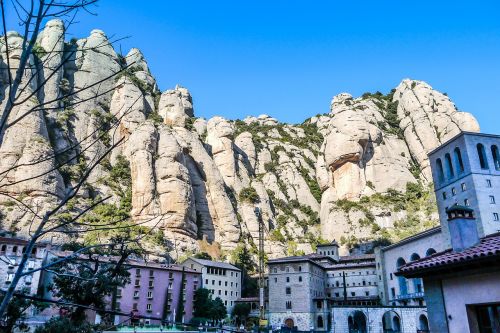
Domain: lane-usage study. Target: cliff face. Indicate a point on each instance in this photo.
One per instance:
(343, 174)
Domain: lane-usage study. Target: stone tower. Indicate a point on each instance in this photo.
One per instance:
(466, 172)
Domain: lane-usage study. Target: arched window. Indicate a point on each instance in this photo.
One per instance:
(403, 287)
(14, 249)
(3, 249)
(440, 171)
(423, 323)
(430, 252)
(483, 161)
(496, 157)
(449, 166)
(320, 322)
(458, 160)
(417, 282)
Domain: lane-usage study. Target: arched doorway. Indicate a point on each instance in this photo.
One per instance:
(423, 324)
(391, 323)
(289, 323)
(357, 322)
(319, 322)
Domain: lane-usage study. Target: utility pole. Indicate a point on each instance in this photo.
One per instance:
(261, 265)
(345, 287)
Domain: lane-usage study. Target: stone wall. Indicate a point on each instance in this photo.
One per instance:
(408, 318)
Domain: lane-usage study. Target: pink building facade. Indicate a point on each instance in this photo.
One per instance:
(164, 293)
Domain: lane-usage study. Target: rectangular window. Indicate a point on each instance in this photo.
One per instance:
(353, 293)
(148, 307)
(151, 273)
(137, 272)
(220, 283)
(206, 281)
(288, 305)
(367, 293)
(466, 202)
(134, 306)
(150, 283)
(150, 294)
(444, 195)
(225, 292)
(225, 284)
(136, 294)
(288, 290)
(488, 183)
(137, 282)
(464, 187)
(287, 279)
(393, 292)
(453, 191)
(275, 280)
(213, 282)
(495, 216)
(492, 199)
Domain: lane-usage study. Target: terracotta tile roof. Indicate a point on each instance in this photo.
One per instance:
(487, 249)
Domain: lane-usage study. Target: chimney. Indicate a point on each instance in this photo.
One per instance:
(462, 227)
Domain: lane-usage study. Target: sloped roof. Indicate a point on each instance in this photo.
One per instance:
(312, 257)
(217, 264)
(488, 249)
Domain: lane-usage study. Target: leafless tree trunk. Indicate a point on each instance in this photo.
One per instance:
(19, 93)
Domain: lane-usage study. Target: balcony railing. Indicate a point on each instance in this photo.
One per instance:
(410, 296)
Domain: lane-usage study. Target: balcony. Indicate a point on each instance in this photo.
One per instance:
(409, 296)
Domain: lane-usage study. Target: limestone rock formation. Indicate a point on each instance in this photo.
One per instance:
(354, 173)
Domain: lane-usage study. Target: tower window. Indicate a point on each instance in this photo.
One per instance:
(449, 166)
(453, 191)
(496, 157)
(444, 196)
(492, 199)
(464, 187)
(483, 162)
(440, 171)
(466, 202)
(495, 216)
(458, 160)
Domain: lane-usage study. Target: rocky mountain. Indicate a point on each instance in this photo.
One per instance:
(358, 172)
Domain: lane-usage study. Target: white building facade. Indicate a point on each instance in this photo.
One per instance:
(222, 279)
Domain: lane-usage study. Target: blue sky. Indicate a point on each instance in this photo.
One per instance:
(288, 58)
